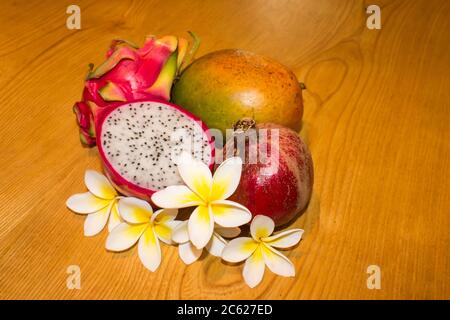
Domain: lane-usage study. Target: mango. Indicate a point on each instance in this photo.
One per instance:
(225, 86)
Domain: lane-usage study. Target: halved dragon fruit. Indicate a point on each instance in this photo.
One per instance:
(139, 143)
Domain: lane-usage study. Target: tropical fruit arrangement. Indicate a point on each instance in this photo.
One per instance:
(217, 134)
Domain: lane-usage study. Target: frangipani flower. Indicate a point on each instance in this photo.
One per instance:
(141, 224)
(259, 251)
(189, 253)
(208, 194)
(99, 203)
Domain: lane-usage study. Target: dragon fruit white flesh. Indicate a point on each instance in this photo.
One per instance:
(140, 141)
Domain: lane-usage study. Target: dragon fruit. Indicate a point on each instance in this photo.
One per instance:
(139, 143)
(128, 74)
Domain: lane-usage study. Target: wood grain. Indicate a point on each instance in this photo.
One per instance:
(377, 115)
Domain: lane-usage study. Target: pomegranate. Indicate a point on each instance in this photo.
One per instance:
(277, 176)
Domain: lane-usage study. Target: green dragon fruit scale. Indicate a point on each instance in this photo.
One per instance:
(130, 73)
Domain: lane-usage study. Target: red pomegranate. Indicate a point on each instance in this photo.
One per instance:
(277, 176)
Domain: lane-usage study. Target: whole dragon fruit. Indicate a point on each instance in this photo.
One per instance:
(128, 74)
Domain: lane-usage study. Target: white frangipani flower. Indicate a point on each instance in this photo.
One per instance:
(99, 203)
(189, 253)
(141, 224)
(259, 251)
(207, 194)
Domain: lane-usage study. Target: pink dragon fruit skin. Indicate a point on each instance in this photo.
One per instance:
(128, 74)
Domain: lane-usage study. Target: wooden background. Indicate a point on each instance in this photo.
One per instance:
(377, 119)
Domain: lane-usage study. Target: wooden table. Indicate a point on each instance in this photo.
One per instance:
(377, 119)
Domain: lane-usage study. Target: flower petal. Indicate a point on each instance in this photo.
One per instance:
(149, 250)
(173, 224)
(134, 210)
(227, 232)
(254, 269)
(215, 245)
(189, 253)
(226, 178)
(86, 203)
(99, 185)
(95, 222)
(164, 215)
(164, 230)
(180, 233)
(261, 227)
(239, 249)
(124, 236)
(195, 174)
(200, 226)
(176, 197)
(277, 262)
(114, 217)
(230, 214)
(284, 239)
